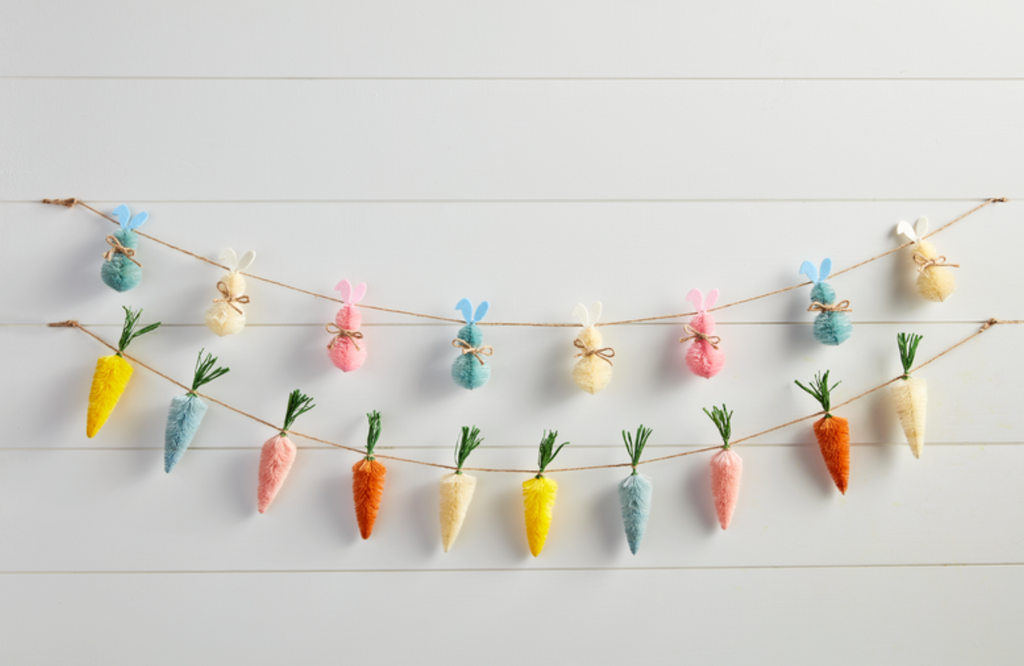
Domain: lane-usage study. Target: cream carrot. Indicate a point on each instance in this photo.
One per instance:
(833, 432)
(368, 481)
(112, 373)
(457, 488)
(635, 491)
(726, 468)
(539, 495)
(278, 452)
(910, 394)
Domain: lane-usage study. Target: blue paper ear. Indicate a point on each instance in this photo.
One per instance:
(123, 215)
(466, 308)
(826, 268)
(808, 269)
(481, 311)
(138, 221)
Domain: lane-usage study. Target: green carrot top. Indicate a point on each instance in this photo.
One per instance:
(469, 440)
(821, 391)
(373, 434)
(206, 371)
(128, 332)
(548, 451)
(908, 350)
(723, 419)
(635, 447)
(298, 404)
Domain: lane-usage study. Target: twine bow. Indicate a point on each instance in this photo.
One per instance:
(340, 333)
(694, 334)
(229, 299)
(841, 306)
(117, 248)
(467, 348)
(605, 353)
(924, 262)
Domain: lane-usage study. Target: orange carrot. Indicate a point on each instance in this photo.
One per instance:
(833, 432)
(368, 481)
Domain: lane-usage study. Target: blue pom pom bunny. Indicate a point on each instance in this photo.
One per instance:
(832, 326)
(121, 271)
(470, 370)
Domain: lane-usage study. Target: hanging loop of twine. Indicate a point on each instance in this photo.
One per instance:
(229, 299)
(924, 262)
(694, 334)
(339, 333)
(467, 348)
(841, 306)
(117, 248)
(605, 353)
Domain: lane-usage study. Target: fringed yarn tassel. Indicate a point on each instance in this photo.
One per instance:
(470, 370)
(121, 271)
(539, 494)
(183, 420)
(635, 501)
(226, 316)
(347, 348)
(726, 472)
(704, 358)
(833, 433)
(367, 491)
(456, 494)
(278, 454)
(593, 370)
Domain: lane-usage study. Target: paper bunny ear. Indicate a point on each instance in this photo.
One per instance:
(466, 308)
(481, 311)
(826, 268)
(711, 299)
(138, 221)
(696, 296)
(808, 269)
(581, 314)
(904, 228)
(247, 260)
(595, 312)
(229, 258)
(358, 292)
(123, 215)
(921, 226)
(345, 287)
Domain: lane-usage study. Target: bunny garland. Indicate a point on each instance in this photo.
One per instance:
(704, 358)
(470, 370)
(593, 370)
(347, 348)
(121, 271)
(935, 281)
(225, 316)
(832, 325)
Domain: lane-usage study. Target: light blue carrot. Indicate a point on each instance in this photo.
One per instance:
(187, 411)
(635, 491)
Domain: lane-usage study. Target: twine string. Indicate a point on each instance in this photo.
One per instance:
(841, 306)
(694, 334)
(339, 333)
(924, 262)
(605, 353)
(467, 348)
(117, 248)
(229, 298)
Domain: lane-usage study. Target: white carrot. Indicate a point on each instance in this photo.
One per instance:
(910, 395)
(457, 489)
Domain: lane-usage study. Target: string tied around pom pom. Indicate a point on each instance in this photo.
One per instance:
(117, 248)
(694, 334)
(605, 353)
(340, 333)
(229, 299)
(467, 348)
(924, 262)
(841, 306)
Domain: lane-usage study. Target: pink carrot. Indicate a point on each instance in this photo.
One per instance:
(278, 453)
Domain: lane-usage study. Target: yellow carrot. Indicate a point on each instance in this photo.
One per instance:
(910, 395)
(539, 495)
(111, 376)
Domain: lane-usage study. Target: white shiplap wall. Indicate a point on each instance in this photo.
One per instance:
(535, 154)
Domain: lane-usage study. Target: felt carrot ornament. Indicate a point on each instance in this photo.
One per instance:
(347, 348)
(833, 432)
(635, 491)
(470, 370)
(704, 358)
(112, 373)
(368, 480)
(121, 271)
(278, 452)
(910, 394)
(832, 325)
(187, 411)
(539, 495)
(593, 370)
(726, 468)
(935, 281)
(226, 316)
(457, 488)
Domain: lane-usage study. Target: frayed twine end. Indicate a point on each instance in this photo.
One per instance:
(70, 323)
(67, 203)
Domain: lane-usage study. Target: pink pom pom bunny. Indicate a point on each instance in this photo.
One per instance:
(348, 349)
(703, 357)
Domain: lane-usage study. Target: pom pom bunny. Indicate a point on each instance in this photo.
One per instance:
(122, 271)
(593, 370)
(470, 370)
(704, 358)
(832, 325)
(225, 316)
(935, 281)
(347, 348)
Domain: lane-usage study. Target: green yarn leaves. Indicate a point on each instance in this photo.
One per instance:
(547, 451)
(206, 371)
(635, 447)
(373, 434)
(467, 443)
(723, 420)
(128, 332)
(298, 404)
(908, 343)
(820, 389)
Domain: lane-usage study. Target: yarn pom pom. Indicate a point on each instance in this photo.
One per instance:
(635, 501)
(456, 494)
(224, 320)
(183, 420)
(119, 272)
(704, 358)
(367, 491)
(726, 471)
(539, 494)
(831, 328)
(347, 351)
(470, 370)
(592, 371)
(108, 383)
(934, 282)
(276, 461)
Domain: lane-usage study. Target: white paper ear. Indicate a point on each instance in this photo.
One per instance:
(247, 260)
(904, 229)
(596, 313)
(921, 226)
(229, 259)
(580, 312)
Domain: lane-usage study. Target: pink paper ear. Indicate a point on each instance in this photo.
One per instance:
(712, 299)
(345, 287)
(358, 293)
(697, 298)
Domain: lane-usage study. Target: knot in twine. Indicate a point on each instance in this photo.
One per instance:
(841, 306)
(229, 299)
(340, 333)
(605, 353)
(924, 262)
(694, 334)
(467, 348)
(117, 248)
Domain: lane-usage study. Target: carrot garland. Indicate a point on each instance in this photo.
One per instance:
(635, 491)
(368, 480)
(187, 411)
(726, 468)
(112, 373)
(457, 488)
(833, 432)
(539, 495)
(278, 452)
(910, 394)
